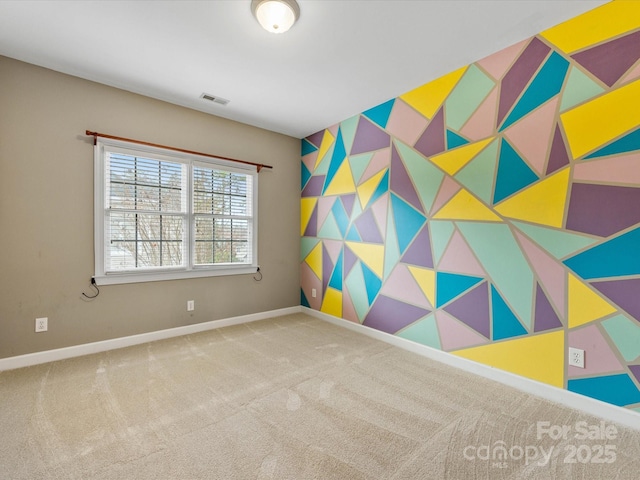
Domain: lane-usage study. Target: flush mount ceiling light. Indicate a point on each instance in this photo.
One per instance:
(276, 16)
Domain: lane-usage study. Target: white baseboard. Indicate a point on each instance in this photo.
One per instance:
(102, 346)
(597, 408)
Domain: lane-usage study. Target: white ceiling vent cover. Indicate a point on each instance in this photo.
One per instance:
(214, 99)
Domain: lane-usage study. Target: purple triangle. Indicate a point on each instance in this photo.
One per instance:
(312, 226)
(624, 293)
(314, 186)
(519, 74)
(558, 157)
(473, 309)
(611, 60)
(419, 253)
(368, 228)
(545, 315)
(316, 138)
(390, 315)
(432, 140)
(327, 268)
(401, 183)
(347, 202)
(635, 369)
(369, 137)
(602, 209)
(350, 260)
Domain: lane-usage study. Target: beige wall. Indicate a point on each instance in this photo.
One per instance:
(46, 213)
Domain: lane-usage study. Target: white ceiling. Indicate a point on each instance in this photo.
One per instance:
(342, 57)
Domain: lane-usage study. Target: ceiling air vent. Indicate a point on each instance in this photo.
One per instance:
(214, 99)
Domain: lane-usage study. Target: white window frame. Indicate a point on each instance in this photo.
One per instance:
(188, 270)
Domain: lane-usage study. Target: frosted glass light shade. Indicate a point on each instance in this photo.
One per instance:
(275, 16)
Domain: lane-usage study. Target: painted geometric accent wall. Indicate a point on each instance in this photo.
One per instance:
(494, 213)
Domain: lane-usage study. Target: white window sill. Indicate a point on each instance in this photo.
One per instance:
(120, 278)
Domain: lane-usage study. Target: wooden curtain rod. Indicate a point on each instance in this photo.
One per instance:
(95, 135)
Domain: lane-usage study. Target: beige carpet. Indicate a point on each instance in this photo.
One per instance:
(287, 398)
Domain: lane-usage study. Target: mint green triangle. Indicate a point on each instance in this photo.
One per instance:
(330, 229)
(357, 210)
(348, 128)
(558, 243)
(423, 331)
(466, 97)
(478, 176)
(358, 291)
(391, 249)
(579, 87)
(427, 177)
(323, 167)
(306, 245)
(441, 232)
(359, 164)
(500, 255)
(625, 334)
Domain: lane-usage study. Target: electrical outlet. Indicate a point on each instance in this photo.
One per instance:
(313, 293)
(191, 305)
(576, 357)
(42, 324)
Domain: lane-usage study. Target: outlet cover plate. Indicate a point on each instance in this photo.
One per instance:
(576, 357)
(42, 324)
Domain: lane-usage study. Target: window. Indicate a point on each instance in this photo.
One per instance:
(162, 215)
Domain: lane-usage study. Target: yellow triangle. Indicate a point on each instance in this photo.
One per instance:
(464, 206)
(584, 305)
(428, 98)
(426, 279)
(342, 182)
(332, 303)
(327, 141)
(314, 260)
(541, 203)
(453, 160)
(366, 189)
(372, 255)
(539, 357)
(306, 210)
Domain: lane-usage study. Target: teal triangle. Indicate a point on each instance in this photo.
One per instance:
(359, 164)
(372, 283)
(408, 221)
(342, 220)
(381, 189)
(441, 232)
(339, 155)
(505, 323)
(307, 147)
(358, 291)
(348, 128)
(323, 166)
(391, 251)
(330, 229)
(424, 331)
(547, 84)
(306, 245)
(303, 300)
(430, 177)
(336, 277)
(454, 140)
(380, 113)
(513, 173)
(579, 87)
(479, 174)
(353, 234)
(628, 143)
(559, 243)
(450, 285)
(305, 175)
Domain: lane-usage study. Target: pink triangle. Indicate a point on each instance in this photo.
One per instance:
(405, 123)
(454, 334)
(325, 204)
(309, 160)
(458, 258)
(401, 285)
(481, 124)
(309, 281)
(447, 190)
(498, 63)
(620, 169)
(348, 310)
(380, 209)
(334, 129)
(552, 274)
(380, 160)
(334, 247)
(633, 74)
(599, 358)
(532, 135)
